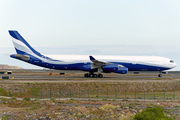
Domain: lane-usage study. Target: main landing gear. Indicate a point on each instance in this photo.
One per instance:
(91, 75)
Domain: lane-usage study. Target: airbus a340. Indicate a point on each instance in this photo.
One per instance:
(91, 64)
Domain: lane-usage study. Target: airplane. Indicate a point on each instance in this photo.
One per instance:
(92, 64)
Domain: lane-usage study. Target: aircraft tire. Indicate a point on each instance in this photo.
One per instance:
(95, 75)
(86, 75)
(160, 75)
(100, 76)
(91, 75)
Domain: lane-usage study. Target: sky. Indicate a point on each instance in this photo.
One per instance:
(91, 27)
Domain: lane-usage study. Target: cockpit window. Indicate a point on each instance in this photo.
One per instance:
(171, 61)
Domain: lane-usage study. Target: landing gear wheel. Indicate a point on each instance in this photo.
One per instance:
(91, 75)
(100, 75)
(86, 75)
(160, 75)
(95, 76)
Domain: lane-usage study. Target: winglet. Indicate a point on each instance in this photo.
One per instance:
(92, 58)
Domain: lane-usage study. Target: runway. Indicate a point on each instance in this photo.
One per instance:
(81, 76)
(41, 77)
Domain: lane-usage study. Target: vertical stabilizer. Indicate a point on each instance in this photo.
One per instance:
(20, 44)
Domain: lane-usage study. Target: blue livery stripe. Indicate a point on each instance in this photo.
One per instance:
(17, 36)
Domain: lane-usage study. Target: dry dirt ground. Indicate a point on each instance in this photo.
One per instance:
(84, 109)
(81, 109)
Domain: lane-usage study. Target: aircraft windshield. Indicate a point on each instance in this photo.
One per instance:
(171, 61)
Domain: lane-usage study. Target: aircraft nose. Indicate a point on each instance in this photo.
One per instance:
(174, 65)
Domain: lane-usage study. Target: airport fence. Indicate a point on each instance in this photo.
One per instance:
(94, 93)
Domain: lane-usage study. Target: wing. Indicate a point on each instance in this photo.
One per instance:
(98, 63)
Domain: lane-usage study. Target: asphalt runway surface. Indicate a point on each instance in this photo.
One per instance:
(69, 77)
(50, 77)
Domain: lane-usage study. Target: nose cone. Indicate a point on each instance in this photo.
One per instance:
(175, 64)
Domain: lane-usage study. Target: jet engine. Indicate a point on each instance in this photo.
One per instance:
(110, 68)
(122, 70)
(115, 68)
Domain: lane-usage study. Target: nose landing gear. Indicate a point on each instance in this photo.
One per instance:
(160, 74)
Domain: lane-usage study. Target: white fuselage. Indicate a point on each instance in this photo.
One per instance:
(144, 60)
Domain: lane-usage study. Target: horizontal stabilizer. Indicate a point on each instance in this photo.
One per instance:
(23, 57)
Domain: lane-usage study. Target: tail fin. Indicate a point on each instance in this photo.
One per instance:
(20, 44)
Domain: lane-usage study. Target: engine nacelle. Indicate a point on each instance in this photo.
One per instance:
(110, 68)
(122, 70)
